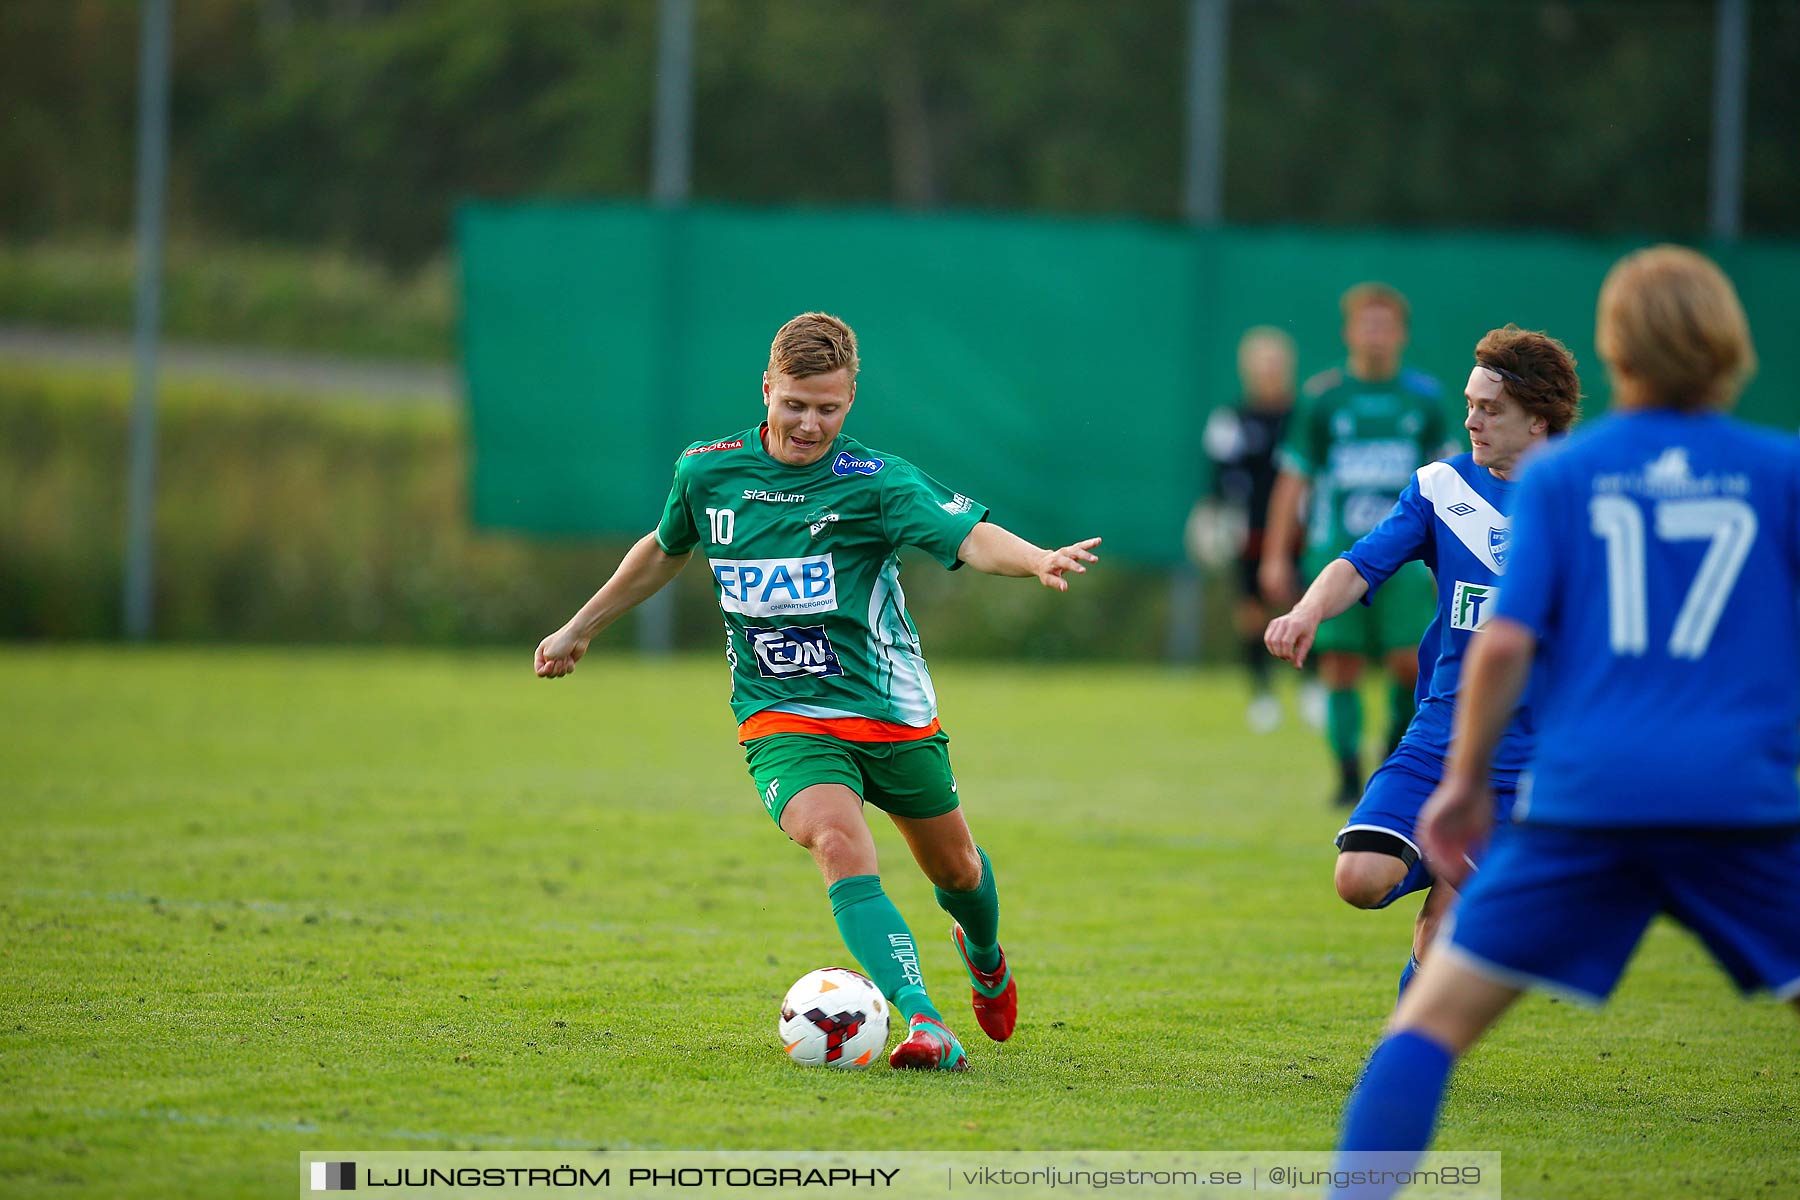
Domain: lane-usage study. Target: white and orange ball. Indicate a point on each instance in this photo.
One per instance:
(834, 1017)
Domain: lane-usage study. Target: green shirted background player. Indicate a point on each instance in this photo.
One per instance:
(1355, 439)
(801, 527)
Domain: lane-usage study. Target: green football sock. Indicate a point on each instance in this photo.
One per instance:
(978, 912)
(877, 935)
(1343, 722)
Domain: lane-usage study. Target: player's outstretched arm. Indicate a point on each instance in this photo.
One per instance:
(1338, 586)
(994, 551)
(641, 574)
(1460, 814)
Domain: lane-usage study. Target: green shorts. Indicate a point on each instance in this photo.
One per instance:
(1396, 620)
(907, 779)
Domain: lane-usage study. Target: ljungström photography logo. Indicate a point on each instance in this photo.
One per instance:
(334, 1177)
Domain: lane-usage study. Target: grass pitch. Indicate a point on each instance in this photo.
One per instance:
(256, 903)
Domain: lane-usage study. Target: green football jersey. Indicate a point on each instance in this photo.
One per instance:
(1359, 444)
(806, 568)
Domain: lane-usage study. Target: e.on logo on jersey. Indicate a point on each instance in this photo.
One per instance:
(776, 587)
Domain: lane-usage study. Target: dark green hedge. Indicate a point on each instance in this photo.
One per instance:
(286, 518)
(232, 292)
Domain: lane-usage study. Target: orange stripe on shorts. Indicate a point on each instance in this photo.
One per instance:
(849, 729)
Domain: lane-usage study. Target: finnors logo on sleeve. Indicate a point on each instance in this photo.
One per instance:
(848, 464)
(1471, 604)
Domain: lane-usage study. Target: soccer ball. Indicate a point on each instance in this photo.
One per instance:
(833, 1017)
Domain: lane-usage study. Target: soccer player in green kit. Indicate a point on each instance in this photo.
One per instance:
(1359, 433)
(801, 527)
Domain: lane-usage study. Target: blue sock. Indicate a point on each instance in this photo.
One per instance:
(1394, 1107)
(1407, 972)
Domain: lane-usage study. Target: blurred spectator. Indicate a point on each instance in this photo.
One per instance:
(1240, 441)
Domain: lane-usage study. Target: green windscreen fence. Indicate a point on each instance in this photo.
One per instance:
(1059, 371)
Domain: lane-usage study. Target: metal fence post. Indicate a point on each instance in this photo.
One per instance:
(1203, 205)
(671, 183)
(152, 170)
(1731, 70)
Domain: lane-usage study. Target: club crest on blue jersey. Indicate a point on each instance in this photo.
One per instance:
(848, 464)
(1499, 541)
(802, 650)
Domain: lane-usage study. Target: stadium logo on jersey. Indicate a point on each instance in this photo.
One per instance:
(785, 653)
(957, 505)
(848, 464)
(733, 444)
(776, 587)
(1499, 541)
(1471, 604)
(774, 497)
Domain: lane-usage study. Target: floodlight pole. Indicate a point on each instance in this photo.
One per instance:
(152, 170)
(1731, 52)
(1203, 205)
(670, 167)
(671, 183)
(1209, 31)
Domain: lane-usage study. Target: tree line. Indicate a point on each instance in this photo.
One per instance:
(358, 124)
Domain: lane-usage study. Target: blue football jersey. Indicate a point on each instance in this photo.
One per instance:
(1657, 559)
(1453, 516)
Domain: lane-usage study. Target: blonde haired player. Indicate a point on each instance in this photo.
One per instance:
(801, 527)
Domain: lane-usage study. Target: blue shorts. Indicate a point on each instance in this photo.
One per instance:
(1386, 819)
(1565, 908)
